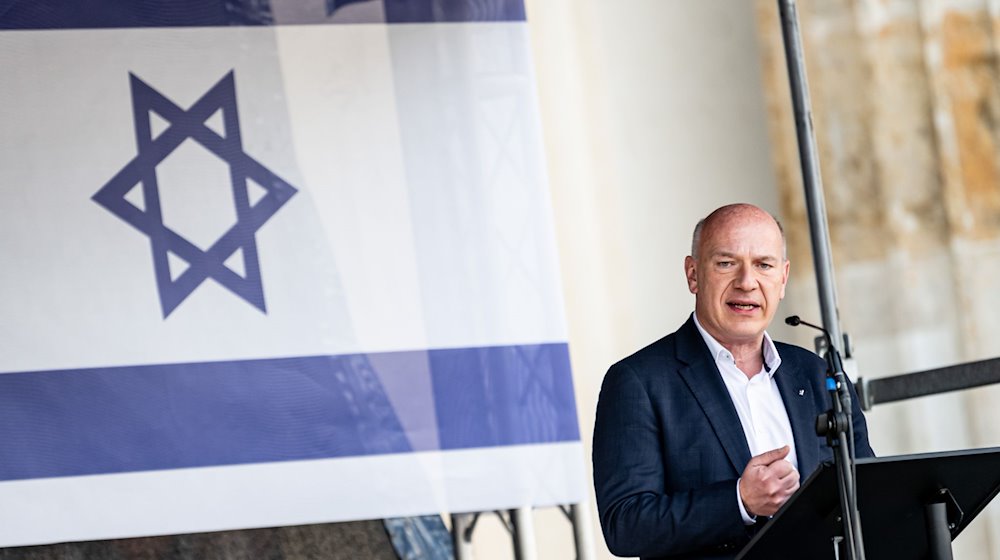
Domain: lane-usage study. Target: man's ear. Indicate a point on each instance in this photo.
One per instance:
(784, 278)
(691, 272)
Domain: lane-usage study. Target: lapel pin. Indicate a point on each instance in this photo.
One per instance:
(802, 392)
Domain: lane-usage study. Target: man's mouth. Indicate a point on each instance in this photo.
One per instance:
(742, 306)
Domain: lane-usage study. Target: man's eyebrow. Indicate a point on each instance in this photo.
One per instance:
(729, 255)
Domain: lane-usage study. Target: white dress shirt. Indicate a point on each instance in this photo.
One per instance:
(758, 403)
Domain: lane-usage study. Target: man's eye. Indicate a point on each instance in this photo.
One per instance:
(725, 264)
(765, 266)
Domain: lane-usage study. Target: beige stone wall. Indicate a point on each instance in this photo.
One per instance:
(906, 102)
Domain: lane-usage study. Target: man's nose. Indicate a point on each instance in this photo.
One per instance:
(745, 279)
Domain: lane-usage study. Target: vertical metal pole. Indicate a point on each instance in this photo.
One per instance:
(461, 535)
(812, 181)
(583, 533)
(938, 535)
(524, 534)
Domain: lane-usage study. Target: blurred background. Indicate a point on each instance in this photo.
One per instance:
(655, 113)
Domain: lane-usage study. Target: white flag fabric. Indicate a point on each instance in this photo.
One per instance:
(273, 263)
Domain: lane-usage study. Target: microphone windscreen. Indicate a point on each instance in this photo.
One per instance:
(793, 320)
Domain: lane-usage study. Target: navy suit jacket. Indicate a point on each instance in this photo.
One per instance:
(669, 447)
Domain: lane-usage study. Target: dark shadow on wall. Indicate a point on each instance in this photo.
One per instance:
(364, 540)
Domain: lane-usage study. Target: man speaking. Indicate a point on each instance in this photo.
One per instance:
(705, 433)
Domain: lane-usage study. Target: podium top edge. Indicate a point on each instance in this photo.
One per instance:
(930, 455)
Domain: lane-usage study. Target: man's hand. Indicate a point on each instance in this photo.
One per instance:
(768, 481)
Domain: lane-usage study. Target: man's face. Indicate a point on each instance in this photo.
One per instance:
(739, 277)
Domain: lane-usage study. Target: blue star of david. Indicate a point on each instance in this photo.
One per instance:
(149, 220)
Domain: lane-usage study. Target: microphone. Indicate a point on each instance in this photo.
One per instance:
(795, 321)
(833, 360)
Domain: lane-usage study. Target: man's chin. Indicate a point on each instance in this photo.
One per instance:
(745, 331)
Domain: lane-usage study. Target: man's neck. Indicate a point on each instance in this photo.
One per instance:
(749, 357)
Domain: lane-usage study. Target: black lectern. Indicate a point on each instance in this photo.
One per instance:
(912, 506)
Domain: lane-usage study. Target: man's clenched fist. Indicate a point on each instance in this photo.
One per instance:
(767, 482)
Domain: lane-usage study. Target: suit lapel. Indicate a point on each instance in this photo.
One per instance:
(703, 378)
(796, 394)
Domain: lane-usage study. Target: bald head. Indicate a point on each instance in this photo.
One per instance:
(727, 215)
(737, 272)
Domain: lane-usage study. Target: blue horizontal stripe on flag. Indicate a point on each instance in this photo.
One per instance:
(100, 14)
(151, 417)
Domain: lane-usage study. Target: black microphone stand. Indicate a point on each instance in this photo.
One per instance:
(838, 426)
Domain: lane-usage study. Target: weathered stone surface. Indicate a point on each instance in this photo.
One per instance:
(906, 103)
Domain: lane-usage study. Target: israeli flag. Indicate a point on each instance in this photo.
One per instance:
(273, 263)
